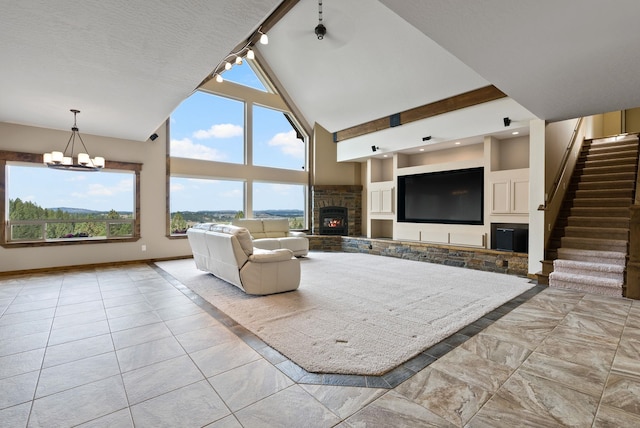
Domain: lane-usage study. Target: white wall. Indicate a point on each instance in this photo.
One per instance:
(536, 194)
(152, 204)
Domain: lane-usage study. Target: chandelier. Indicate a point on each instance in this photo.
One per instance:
(65, 160)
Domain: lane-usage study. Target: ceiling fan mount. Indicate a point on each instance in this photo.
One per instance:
(320, 29)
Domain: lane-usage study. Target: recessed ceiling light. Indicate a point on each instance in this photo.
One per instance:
(457, 143)
(422, 150)
(515, 133)
(385, 156)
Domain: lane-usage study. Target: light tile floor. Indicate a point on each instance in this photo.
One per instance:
(129, 346)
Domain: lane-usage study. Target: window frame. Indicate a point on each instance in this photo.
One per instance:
(248, 171)
(10, 156)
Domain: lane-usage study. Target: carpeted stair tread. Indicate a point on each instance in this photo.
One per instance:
(597, 232)
(588, 288)
(608, 169)
(586, 283)
(617, 245)
(609, 257)
(604, 193)
(613, 145)
(617, 145)
(616, 222)
(626, 160)
(592, 269)
(602, 202)
(610, 149)
(588, 266)
(609, 184)
(607, 156)
(585, 279)
(608, 176)
(600, 211)
(616, 139)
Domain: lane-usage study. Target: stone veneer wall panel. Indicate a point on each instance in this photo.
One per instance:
(471, 258)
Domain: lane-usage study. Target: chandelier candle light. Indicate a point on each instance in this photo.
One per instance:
(64, 160)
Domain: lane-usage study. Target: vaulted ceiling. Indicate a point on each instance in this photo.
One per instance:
(127, 65)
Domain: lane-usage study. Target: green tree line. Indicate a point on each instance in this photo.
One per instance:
(74, 225)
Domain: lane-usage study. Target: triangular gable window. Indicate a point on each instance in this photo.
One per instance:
(245, 74)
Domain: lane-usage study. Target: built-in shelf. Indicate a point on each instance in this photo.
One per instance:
(380, 170)
(506, 187)
(381, 228)
(510, 154)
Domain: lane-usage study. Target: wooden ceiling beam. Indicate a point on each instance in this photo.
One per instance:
(457, 102)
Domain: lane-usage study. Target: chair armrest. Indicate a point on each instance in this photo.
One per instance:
(294, 234)
(268, 256)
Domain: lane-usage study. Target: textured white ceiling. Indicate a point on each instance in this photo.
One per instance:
(125, 64)
(370, 64)
(559, 59)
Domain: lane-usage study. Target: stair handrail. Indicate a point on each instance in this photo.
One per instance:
(632, 271)
(563, 165)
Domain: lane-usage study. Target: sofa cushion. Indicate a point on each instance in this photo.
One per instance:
(267, 243)
(241, 233)
(275, 227)
(253, 225)
(268, 256)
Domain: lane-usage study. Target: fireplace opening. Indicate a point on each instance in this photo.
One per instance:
(333, 221)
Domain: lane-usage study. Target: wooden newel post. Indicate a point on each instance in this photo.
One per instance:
(633, 266)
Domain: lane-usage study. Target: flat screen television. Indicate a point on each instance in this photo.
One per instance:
(442, 197)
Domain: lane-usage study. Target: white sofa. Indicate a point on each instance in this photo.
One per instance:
(274, 233)
(227, 252)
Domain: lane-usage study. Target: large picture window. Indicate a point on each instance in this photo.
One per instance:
(204, 200)
(72, 207)
(208, 127)
(276, 143)
(236, 151)
(280, 200)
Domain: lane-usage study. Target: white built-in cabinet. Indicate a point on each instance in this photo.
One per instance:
(381, 200)
(506, 186)
(509, 195)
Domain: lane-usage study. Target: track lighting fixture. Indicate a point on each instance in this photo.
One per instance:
(506, 121)
(235, 58)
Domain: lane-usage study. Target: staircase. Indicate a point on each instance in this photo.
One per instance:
(589, 245)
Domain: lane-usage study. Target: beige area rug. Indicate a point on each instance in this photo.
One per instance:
(358, 313)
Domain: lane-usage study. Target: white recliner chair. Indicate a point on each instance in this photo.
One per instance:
(227, 252)
(274, 233)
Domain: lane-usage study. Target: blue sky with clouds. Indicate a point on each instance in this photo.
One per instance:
(203, 127)
(100, 191)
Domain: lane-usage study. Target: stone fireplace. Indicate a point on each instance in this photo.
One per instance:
(334, 221)
(337, 210)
